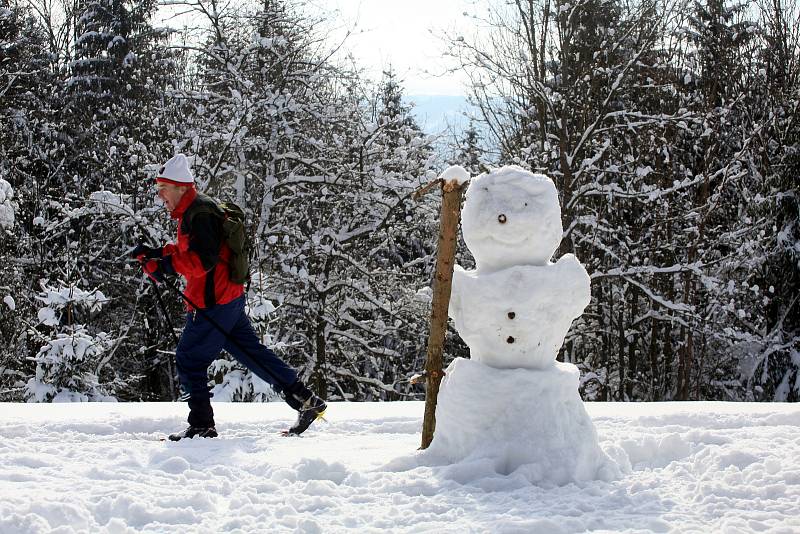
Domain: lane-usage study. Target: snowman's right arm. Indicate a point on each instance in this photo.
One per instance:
(455, 310)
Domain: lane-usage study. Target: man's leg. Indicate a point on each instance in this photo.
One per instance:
(264, 363)
(200, 344)
(258, 358)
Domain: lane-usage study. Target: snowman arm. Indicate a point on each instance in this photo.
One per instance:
(573, 271)
(454, 309)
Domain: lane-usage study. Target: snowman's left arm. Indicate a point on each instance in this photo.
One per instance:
(575, 280)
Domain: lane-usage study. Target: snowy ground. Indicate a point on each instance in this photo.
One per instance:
(700, 467)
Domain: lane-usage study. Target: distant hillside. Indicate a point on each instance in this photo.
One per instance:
(436, 113)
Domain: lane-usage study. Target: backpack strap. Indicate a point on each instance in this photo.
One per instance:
(203, 204)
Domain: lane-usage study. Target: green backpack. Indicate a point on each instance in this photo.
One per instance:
(234, 233)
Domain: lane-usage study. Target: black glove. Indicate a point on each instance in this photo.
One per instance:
(158, 267)
(143, 252)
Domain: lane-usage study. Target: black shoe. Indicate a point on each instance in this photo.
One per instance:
(192, 431)
(311, 410)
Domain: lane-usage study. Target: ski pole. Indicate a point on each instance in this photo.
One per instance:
(161, 303)
(218, 326)
(164, 310)
(171, 327)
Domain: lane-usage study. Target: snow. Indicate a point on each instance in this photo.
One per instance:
(60, 297)
(236, 381)
(455, 172)
(553, 445)
(108, 202)
(47, 316)
(6, 208)
(6, 191)
(98, 467)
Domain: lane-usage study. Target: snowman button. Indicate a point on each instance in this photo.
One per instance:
(510, 339)
(511, 315)
(502, 218)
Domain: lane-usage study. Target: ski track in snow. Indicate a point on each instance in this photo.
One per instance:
(688, 467)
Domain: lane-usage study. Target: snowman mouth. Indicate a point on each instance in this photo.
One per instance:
(509, 238)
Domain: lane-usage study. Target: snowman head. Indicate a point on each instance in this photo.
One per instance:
(511, 217)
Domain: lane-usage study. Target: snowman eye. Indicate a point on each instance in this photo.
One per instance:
(502, 218)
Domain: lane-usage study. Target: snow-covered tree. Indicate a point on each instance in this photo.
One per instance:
(470, 153)
(325, 174)
(346, 244)
(71, 364)
(652, 119)
(669, 128)
(26, 83)
(83, 143)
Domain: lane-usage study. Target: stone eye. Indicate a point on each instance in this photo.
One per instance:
(510, 339)
(502, 218)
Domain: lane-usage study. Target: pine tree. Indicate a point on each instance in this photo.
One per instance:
(470, 152)
(71, 363)
(26, 84)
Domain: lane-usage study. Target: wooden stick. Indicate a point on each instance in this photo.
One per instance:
(425, 189)
(445, 260)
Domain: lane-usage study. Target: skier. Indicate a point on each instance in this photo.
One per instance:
(201, 256)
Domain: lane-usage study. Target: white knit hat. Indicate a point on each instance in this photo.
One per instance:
(176, 171)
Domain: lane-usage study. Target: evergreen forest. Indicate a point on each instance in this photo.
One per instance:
(671, 129)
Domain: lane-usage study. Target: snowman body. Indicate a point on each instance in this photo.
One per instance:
(525, 311)
(516, 307)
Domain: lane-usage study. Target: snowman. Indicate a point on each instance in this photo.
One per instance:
(516, 307)
(512, 408)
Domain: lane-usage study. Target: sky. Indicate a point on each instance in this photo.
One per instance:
(407, 35)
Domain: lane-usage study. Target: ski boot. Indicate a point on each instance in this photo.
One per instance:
(311, 410)
(192, 431)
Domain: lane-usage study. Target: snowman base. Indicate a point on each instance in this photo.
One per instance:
(521, 422)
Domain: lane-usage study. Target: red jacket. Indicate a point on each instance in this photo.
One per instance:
(201, 255)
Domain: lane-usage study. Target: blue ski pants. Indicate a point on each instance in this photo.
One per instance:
(201, 343)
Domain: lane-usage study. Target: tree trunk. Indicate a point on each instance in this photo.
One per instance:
(669, 355)
(686, 353)
(655, 383)
(442, 283)
(621, 351)
(699, 382)
(633, 364)
(321, 388)
(604, 322)
(566, 245)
